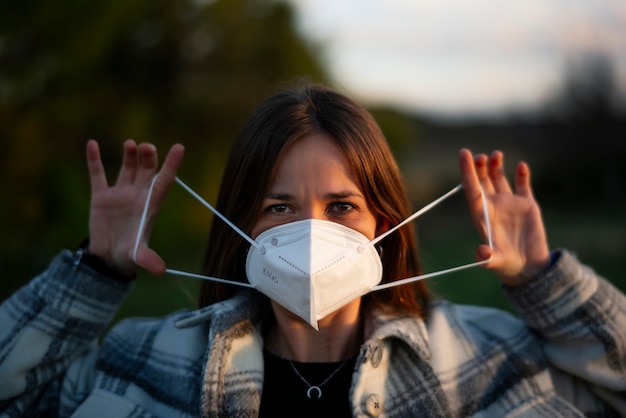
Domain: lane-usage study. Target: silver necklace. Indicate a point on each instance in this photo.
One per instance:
(316, 388)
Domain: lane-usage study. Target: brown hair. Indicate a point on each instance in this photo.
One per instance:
(280, 121)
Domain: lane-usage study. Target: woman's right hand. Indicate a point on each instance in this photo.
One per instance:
(116, 211)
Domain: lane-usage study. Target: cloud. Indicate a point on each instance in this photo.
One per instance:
(455, 55)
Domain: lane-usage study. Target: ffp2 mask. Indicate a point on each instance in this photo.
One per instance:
(313, 267)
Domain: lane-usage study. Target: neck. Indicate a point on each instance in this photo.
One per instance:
(339, 336)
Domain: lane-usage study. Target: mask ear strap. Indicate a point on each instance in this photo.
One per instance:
(209, 278)
(428, 275)
(142, 226)
(144, 218)
(446, 271)
(144, 215)
(416, 214)
(218, 214)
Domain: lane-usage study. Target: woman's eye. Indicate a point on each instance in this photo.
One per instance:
(342, 207)
(279, 209)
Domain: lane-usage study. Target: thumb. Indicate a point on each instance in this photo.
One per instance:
(483, 252)
(150, 260)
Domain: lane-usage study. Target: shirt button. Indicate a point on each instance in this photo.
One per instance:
(373, 405)
(377, 355)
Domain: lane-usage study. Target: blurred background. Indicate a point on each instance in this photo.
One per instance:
(541, 81)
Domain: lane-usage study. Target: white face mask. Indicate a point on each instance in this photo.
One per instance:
(314, 267)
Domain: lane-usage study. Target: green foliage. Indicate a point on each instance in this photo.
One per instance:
(399, 129)
(162, 71)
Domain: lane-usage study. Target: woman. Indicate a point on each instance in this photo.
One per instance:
(312, 160)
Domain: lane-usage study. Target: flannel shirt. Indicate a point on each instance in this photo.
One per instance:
(567, 357)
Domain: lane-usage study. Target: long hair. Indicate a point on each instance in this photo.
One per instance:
(280, 121)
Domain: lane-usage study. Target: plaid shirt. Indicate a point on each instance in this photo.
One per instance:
(567, 357)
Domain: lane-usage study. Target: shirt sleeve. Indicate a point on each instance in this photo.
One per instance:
(581, 319)
(48, 335)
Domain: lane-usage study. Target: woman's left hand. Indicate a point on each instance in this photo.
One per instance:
(520, 248)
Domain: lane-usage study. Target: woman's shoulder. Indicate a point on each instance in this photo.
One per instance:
(163, 334)
(473, 323)
(463, 337)
(184, 330)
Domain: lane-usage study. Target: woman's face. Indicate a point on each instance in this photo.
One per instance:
(314, 181)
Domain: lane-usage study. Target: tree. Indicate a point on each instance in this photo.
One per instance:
(162, 71)
(586, 147)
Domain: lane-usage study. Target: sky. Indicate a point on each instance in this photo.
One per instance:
(461, 57)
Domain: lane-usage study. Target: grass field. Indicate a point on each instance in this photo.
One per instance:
(598, 240)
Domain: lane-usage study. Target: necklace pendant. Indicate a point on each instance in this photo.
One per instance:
(314, 389)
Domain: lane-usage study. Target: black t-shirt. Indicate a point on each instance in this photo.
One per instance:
(285, 393)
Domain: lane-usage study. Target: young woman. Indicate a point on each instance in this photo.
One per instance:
(310, 184)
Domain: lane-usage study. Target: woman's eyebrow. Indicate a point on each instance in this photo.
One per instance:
(279, 196)
(344, 194)
(331, 195)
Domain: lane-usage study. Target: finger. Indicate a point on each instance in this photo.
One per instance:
(480, 162)
(172, 162)
(522, 180)
(167, 174)
(97, 175)
(148, 259)
(469, 179)
(128, 170)
(148, 162)
(473, 190)
(496, 173)
(483, 253)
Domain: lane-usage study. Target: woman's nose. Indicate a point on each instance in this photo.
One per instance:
(312, 212)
